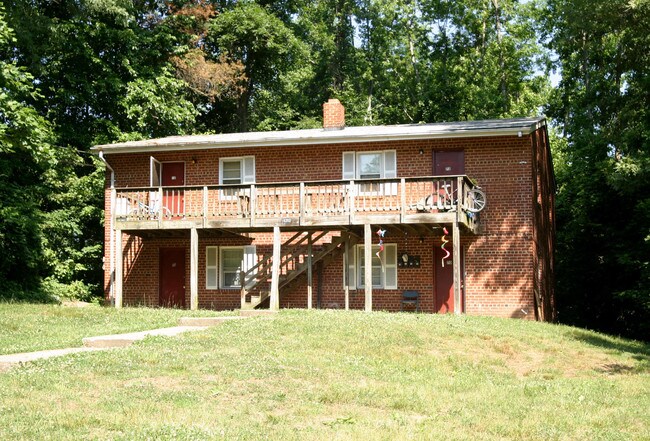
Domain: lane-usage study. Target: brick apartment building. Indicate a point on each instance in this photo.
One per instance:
(461, 213)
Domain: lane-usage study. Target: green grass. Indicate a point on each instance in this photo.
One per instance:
(28, 327)
(314, 375)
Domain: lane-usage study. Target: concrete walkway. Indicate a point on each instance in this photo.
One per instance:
(117, 341)
(8, 361)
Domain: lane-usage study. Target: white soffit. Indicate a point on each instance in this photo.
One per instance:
(464, 129)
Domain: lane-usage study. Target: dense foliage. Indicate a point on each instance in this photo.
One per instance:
(74, 73)
(603, 162)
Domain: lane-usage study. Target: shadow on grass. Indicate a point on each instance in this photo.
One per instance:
(638, 349)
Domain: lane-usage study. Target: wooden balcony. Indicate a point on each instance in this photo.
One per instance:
(297, 205)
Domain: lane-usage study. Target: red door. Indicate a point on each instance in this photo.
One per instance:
(173, 175)
(448, 162)
(444, 280)
(172, 277)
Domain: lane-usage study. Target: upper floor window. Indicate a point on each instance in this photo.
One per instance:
(371, 165)
(236, 171)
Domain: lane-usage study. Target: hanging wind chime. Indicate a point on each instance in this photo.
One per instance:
(381, 233)
(444, 242)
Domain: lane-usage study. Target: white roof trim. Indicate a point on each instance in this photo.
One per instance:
(505, 127)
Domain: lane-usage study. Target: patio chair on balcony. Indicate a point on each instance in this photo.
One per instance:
(411, 298)
(425, 204)
(152, 210)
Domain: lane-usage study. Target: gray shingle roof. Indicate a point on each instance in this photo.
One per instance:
(496, 127)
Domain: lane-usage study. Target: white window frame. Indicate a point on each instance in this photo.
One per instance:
(387, 169)
(214, 268)
(246, 172)
(247, 262)
(389, 264)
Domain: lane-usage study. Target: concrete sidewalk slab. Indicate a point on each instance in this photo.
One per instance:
(10, 360)
(101, 342)
(122, 340)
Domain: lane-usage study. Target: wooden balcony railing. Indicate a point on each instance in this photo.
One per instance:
(297, 203)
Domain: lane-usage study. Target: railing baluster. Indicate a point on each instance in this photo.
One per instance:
(252, 206)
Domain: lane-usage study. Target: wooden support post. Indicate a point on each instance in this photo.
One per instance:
(346, 272)
(275, 270)
(302, 203)
(194, 269)
(319, 288)
(310, 279)
(118, 268)
(458, 307)
(367, 253)
(242, 292)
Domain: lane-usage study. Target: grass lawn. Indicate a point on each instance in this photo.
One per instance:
(27, 327)
(314, 375)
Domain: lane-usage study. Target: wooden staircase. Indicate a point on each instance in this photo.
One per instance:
(294, 263)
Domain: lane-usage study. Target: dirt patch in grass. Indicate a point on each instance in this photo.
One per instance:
(524, 360)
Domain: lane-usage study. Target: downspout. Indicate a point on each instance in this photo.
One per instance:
(111, 279)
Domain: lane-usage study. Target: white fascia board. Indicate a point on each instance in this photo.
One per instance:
(318, 136)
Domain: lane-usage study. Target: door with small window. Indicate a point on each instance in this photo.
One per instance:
(444, 281)
(173, 175)
(172, 277)
(448, 162)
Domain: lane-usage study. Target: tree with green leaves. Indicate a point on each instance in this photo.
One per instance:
(25, 157)
(253, 36)
(602, 161)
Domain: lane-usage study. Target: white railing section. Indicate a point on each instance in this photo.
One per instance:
(318, 199)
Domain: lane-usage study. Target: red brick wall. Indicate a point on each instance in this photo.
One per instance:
(498, 262)
(333, 114)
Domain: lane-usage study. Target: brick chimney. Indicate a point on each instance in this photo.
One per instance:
(333, 115)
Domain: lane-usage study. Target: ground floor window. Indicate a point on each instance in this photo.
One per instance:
(383, 267)
(232, 260)
(223, 265)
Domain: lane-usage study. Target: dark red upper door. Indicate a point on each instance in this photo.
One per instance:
(173, 175)
(448, 162)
